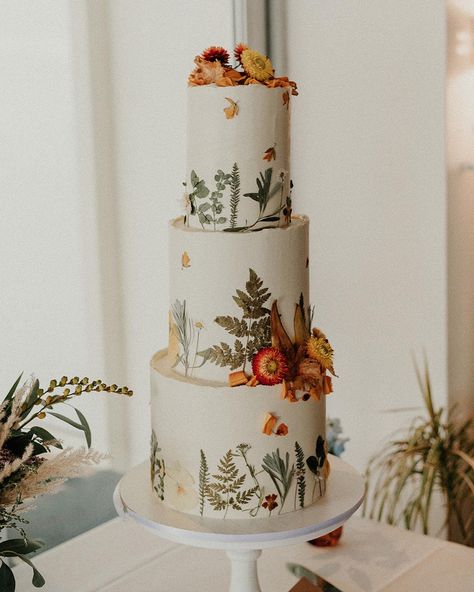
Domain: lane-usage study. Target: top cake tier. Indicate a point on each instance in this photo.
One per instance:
(238, 157)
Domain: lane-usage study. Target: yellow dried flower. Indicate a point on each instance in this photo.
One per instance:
(319, 348)
(256, 65)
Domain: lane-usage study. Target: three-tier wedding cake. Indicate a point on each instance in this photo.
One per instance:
(238, 398)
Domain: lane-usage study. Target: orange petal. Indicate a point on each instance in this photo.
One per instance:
(237, 378)
(185, 260)
(270, 154)
(252, 381)
(225, 81)
(327, 386)
(268, 424)
(232, 110)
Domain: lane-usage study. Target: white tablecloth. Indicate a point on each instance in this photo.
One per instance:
(121, 556)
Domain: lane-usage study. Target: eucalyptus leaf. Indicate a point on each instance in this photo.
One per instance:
(71, 422)
(86, 427)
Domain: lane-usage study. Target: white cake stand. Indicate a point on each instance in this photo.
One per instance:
(243, 540)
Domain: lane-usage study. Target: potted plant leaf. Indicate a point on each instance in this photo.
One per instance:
(435, 455)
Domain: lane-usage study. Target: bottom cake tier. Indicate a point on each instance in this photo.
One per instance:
(241, 452)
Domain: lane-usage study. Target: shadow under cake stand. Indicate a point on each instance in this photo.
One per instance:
(243, 540)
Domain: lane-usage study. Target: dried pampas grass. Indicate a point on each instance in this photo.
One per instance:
(50, 475)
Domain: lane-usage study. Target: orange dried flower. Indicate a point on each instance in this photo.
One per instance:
(205, 72)
(216, 54)
(269, 365)
(284, 82)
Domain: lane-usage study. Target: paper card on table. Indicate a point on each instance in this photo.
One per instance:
(305, 585)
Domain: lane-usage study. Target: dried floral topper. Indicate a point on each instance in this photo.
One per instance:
(212, 67)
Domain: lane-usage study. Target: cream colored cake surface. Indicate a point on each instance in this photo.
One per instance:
(238, 398)
(210, 456)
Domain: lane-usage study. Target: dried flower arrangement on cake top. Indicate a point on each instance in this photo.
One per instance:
(212, 67)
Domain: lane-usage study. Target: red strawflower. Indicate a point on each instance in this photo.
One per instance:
(216, 54)
(270, 366)
(239, 48)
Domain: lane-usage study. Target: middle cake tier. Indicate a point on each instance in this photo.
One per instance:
(222, 286)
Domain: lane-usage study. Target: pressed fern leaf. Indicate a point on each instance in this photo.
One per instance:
(234, 194)
(253, 327)
(233, 325)
(203, 482)
(301, 474)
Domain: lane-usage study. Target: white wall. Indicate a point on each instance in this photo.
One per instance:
(369, 168)
(50, 320)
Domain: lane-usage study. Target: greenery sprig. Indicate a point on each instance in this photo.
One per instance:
(24, 472)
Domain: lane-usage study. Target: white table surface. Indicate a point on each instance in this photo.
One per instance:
(121, 556)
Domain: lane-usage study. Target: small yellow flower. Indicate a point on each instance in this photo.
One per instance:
(256, 65)
(199, 325)
(319, 348)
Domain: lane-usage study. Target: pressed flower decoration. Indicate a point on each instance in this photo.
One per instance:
(232, 109)
(212, 67)
(308, 357)
(270, 366)
(270, 502)
(270, 154)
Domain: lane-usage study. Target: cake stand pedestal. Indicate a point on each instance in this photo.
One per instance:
(243, 540)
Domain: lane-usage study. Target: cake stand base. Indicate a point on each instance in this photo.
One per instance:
(243, 540)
